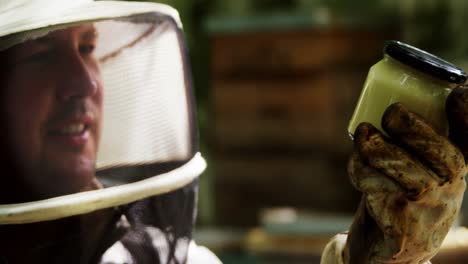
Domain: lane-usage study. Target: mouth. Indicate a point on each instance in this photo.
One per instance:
(73, 129)
(73, 132)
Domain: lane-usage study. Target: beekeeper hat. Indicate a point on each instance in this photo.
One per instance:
(149, 139)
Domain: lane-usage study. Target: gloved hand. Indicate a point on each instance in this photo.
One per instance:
(412, 183)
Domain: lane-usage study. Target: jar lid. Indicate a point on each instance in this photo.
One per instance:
(424, 62)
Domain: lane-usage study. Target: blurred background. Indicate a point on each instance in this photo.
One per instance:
(276, 83)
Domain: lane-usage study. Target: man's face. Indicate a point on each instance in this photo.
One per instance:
(53, 99)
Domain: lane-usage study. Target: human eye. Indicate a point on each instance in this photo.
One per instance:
(87, 48)
(38, 57)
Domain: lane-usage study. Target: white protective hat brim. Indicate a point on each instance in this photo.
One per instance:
(18, 16)
(86, 202)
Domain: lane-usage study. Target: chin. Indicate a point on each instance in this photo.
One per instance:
(70, 177)
(70, 184)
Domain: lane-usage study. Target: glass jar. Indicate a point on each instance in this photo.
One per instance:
(419, 80)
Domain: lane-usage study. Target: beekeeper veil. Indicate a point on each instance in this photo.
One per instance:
(141, 204)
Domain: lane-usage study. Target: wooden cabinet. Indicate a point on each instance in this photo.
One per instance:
(280, 104)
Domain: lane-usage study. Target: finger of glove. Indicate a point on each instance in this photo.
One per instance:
(417, 136)
(413, 177)
(367, 179)
(457, 115)
(384, 197)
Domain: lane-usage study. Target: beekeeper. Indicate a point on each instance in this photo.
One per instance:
(99, 146)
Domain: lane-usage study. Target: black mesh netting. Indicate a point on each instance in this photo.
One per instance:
(154, 230)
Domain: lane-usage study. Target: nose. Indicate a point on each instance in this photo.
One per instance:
(78, 78)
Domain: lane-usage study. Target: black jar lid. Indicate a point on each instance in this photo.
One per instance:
(424, 62)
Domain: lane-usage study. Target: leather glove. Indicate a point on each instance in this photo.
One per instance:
(412, 183)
